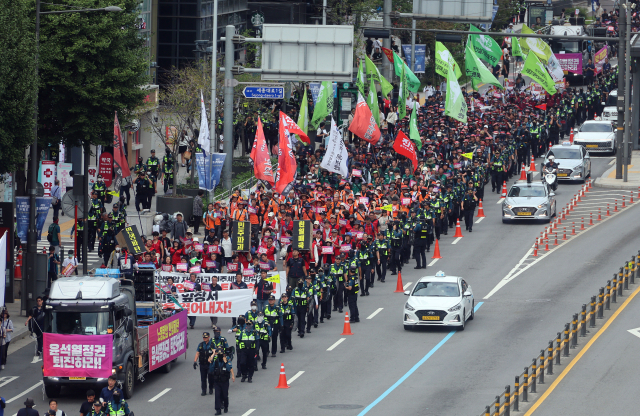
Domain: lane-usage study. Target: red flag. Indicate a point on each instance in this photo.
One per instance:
(363, 124)
(542, 106)
(119, 160)
(388, 53)
(405, 147)
(259, 156)
(293, 128)
(285, 174)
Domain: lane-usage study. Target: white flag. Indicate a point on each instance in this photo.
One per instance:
(553, 66)
(3, 265)
(335, 158)
(203, 138)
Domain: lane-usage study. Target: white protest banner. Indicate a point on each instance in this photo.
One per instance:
(220, 303)
(224, 280)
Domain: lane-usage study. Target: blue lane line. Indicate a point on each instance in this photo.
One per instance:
(413, 369)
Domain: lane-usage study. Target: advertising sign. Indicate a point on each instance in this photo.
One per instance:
(63, 175)
(105, 168)
(47, 175)
(421, 51)
(22, 215)
(167, 340)
(77, 355)
(91, 179)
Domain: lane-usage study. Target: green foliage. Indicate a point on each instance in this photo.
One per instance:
(17, 83)
(91, 65)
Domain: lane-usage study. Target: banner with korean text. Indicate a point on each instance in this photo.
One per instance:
(77, 355)
(570, 62)
(220, 303)
(182, 282)
(167, 340)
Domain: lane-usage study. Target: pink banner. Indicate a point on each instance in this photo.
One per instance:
(571, 62)
(77, 355)
(167, 340)
(599, 58)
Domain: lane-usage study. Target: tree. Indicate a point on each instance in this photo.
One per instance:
(91, 65)
(17, 84)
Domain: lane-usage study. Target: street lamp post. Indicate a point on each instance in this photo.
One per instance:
(32, 234)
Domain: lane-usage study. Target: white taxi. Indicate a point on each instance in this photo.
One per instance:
(439, 300)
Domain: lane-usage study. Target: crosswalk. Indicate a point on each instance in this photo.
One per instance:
(66, 245)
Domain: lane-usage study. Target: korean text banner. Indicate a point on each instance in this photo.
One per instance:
(22, 215)
(223, 279)
(301, 235)
(570, 62)
(130, 237)
(167, 340)
(225, 303)
(77, 355)
(241, 240)
(599, 58)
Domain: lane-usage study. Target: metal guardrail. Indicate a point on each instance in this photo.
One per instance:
(560, 347)
(248, 184)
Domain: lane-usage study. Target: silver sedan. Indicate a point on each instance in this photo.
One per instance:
(529, 201)
(574, 161)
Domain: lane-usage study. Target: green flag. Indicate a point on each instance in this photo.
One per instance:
(455, 106)
(404, 94)
(515, 47)
(485, 47)
(536, 70)
(360, 79)
(303, 117)
(476, 69)
(414, 134)
(536, 45)
(372, 102)
(324, 104)
(445, 59)
(372, 70)
(412, 81)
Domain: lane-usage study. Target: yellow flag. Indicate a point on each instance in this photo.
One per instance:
(468, 155)
(114, 193)
(273, 279)
(387, 207)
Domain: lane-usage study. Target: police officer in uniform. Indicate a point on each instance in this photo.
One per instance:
(221, 370)
(141, 191)
(301, 300)
(365, 255)
(79, 238)
(382, 254)
(420, 243)
(312, 307)
(203, 353)
(237, 330)
(100, 189)
(325, 284)
(287, 312)
(167, 170)
(153, 166)
(263, 330)
(468, 208)
(95, 214)
(352, 287)
(273, 314)
(107, 238)
(337, 274)
(246, 351)
(395, 234)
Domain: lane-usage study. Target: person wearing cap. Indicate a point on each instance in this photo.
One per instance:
(100, 188)
(246, 343)
(141, 186)
(287, 311)
(263, 330)
(117, 406)
(96, 409)
(273, 315)
(352, 287)
(203, 352)
(221, 370)
(166, 170)
(151, 191)
(338, 272)
(153, 166)
(300, 297)
(296, 268)
(28, 409)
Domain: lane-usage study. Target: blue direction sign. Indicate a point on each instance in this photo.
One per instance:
(274, 93)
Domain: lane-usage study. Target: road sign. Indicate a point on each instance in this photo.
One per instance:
(274, 93)
(450, 10)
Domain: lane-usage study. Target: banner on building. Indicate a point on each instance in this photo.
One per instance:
(77, 355)
(241, 240)
(301, 235)
(167, 340)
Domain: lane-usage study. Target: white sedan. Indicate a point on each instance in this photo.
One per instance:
(439, 300)
(596, 136)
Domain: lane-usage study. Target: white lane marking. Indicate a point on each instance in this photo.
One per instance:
(10, 379)
(404, 287)
(36, 359)
(541, 255)
(292, 379)
(433, 262)
(499, 201)
(635, 331)
(35, 386)
(248, 412)
(377, 311)
(331, 348)
(479, 219)
(156, 397)
(612, 162)
(456, 240)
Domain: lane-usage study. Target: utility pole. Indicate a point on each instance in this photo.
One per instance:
(386, 23)
(627, 91)
(413, 46)
(213, 137)
(324, 12)
(621, 88)
(229, 52)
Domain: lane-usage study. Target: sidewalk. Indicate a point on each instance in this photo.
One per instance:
(608, 179)
(20, 331)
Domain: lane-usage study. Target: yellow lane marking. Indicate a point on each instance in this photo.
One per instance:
(580, 354)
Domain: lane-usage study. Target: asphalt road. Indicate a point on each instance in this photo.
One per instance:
(383, 369)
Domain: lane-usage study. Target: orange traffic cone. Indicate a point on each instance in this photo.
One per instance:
(532, 166)
(17, 271)
(571, 136)
(523, 172)
(347, 325)
(504, 190)
(399, 286)
(282, 381)
(458, 230)
(480, 211)
(436, 251)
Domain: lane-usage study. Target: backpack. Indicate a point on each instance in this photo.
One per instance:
(50, 233)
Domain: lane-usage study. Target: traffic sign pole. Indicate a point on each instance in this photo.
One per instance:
(227, 171)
